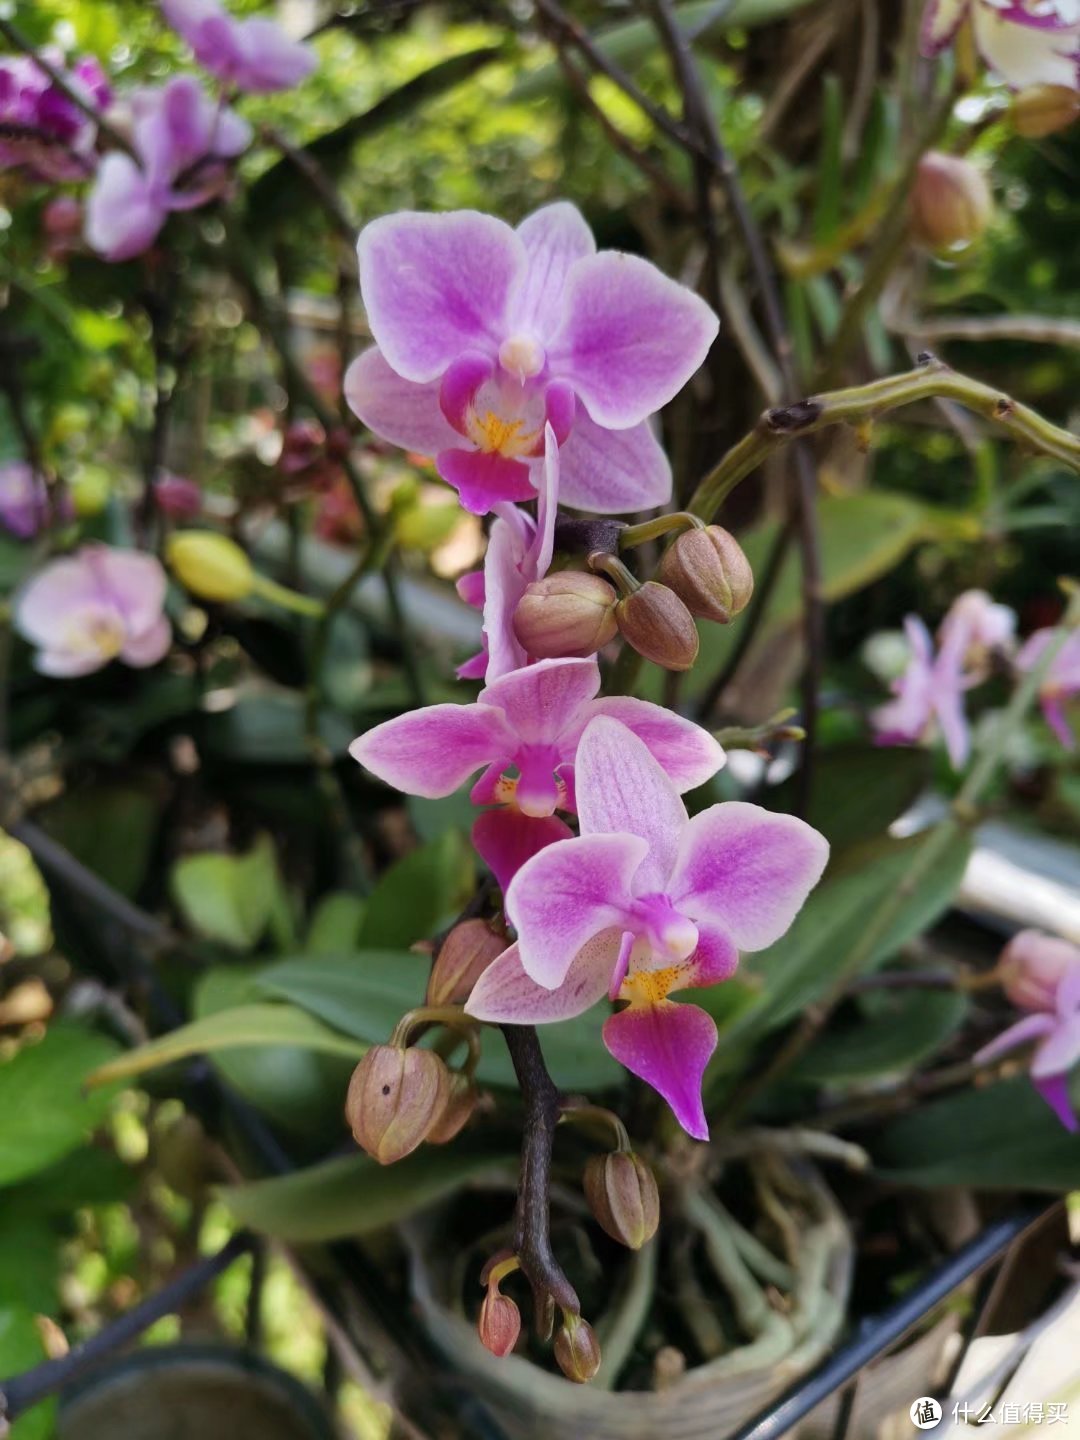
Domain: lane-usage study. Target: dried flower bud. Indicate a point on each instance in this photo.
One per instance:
(1032, 967)
(659, 626)
(460, 1104)
(210, 565)
(397, 1094)
(577, 1349)
(177, 496)
(622, 1194)
(463, 957)
(500, 1322)
(951, 203)
(1044, 110)
(571, 613)
(708, 571)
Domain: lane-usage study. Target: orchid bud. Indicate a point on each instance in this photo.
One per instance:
(1032, 967)
(460, 1104)
(500, 1322)
(62, 226)
(951, 202)
(463, 957)
(396, 1095)
(656, 623)
(622, 1195)
(569, 614)
(177, 496)
(577, 1349)
(708, 571)
(210, 565)
(1044, 110)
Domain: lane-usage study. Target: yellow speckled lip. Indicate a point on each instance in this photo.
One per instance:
(495, 436)
(649, 987)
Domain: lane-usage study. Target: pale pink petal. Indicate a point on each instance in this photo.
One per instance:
(611, 472)
(149, 647)
(271, 60)
(431, 752)
(547, 478)
(505, 839)
(563, 897)
(474, 668)
(1060, 1051)
(1055, 1089)
(397, 410)
(630, 339)
(668, 1046)
(1067, 998)
(542, 701)
(1054, 715)
(123, 214)
(504, 586)
(435, 285)
(941, 20)
(688, 753)
(506, 995)
(715, 960)
(554, 238)
(135, 583)
(483, 479)
(69, 665)
(622, 963)
(1026, 54)
(43, 608)
(621, 790)
(955, 731)
(1031, 1027)
(747, 871)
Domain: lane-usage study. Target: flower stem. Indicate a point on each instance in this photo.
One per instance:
(680, 520)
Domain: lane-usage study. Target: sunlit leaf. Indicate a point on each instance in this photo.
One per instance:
(229, 898)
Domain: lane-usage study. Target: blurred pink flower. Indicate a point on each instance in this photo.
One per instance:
(1027, 42)
(42, 129)
(1042, 975)
(646, 902)
(24, 500)
(94, 606)
(1061, 685)
(487, 335)
(253, 54)
(177, 496)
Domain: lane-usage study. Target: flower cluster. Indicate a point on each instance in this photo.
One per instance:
(1027, 42)
(43, 131)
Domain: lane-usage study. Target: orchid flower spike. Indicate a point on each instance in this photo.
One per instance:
(254, 54)
(1061, 685)
(94, 606)
(1042, 975)
(485, 335)
(1026, 42)
(646, 902)
(524, 730)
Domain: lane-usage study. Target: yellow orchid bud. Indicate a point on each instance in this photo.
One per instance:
(210, 565)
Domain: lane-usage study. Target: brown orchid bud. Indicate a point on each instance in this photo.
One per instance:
(577, 1349)
(951, 202)
(396, 1096)
(708, 571)
(569, 614)
(460, 1104)
(622, 1195)
(463, 957)
(1043, 110)
(499, 1323)
(656, 623)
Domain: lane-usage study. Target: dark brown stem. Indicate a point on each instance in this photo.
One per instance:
(532, 1240)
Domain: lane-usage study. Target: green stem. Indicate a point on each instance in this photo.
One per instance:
(287, 599)
(635, 535)
(609, 565)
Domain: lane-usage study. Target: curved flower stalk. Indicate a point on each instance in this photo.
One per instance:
(524, 731)
(644, 903)
(1042, 975)
(181, 137)
(1061, 685)
(43, 131)
(486, 335)
(255, 54)
(97, 605)
(1026, 42)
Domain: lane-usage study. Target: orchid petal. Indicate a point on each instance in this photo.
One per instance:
(1060, 1051)
(43, 606)
(949, 708)
(397, 410)
(484, 478)
(271, 60)
(548, 480)
(506, 995)
(941, 20)
(135, 583)
(149, 647)
(505, 838)
(1054, 715)
(1031, 1027)
(554, 237)
(431, 752)
(715, 960)
(668, 1046)
(1024, 54)
(687, 752)
(123, 215)
(542, 701)
(611, 472)
(747, 871)
(1054, 1089)
(504, 586)
(1068, 989)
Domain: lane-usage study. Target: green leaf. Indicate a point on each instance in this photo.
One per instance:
(355, 1195)
(46, 1113)
(996, 1137)
(128, 814)
(28, 1261)
(270, 730)
(335, 924)
(902, 1029)
(859, 790)
(21, 1349)
(229, 898)
(419, 894)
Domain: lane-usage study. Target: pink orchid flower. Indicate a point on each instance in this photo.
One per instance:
(643, 903)
(97, 605)
(181, 137)
(1061, 685)
(529, 721)
(254, 54)
(485, 335)
(24, 500)
(1027, 42)
(43, 130)
(1042, 975)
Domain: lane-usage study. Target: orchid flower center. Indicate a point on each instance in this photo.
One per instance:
(649, 987)
(536, 790)
(94, 631)
(502, 409)
(664, 934)
(522, 356)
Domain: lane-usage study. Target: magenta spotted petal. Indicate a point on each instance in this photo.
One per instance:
(1026, 44)
(506, 995)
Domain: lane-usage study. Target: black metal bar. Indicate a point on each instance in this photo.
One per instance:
(876, 1335)
(22, 1391)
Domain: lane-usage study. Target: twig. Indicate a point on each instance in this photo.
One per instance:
(1039, 329)
(318, 180)
(15, 37)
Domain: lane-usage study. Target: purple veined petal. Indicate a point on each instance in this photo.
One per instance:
(505, 995)
(123, 215)
(505, 838)
(621, 790)
(482, 479)
(630, 339)
(542, 701)
(44, 606)
(435, 285)
(1031, 1027)
(1026, 54)
(458, 387)
(1060, 1050)
(563, 897)
(746, 871)
(715, 960)
(396, 410)
(668, 1046)
(504, 586)
(431, 752)
(941, 20)
(271, 60)
(554, 237)
(687, 752)
(1054, 1089)
(538, 555)
(611, 472)
(135, 583)
(149, 647)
